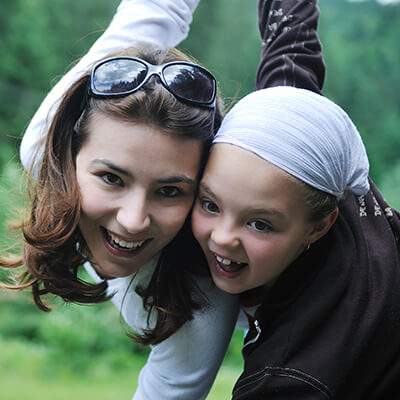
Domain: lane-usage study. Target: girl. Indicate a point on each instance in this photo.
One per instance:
(310, 246)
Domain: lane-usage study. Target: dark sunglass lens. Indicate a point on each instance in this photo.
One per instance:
(118, 76)
(190, 83)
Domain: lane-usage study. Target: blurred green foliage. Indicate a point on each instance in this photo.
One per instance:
(362, 53)
(40, 40)
(73, 336)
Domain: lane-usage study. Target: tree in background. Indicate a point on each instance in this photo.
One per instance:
(39, 41)
(362, 52)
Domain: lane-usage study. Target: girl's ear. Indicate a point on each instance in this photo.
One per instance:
(320, 228)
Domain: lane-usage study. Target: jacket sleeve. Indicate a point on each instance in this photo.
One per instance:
(291, 51)
(162, 22)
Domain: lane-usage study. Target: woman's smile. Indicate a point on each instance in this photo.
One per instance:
(137, 187)
(123, 247)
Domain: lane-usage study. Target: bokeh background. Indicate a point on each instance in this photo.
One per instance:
(81, 352)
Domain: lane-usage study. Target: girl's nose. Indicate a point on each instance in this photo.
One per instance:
(224, 235)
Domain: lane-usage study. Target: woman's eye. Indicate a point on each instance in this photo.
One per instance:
(209, 206)
(170, 191)
(111, 179)
(260, 226)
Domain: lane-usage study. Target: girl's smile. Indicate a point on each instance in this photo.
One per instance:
(249, 229)
(137, 186)
(227, 267)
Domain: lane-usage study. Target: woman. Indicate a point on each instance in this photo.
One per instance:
(312, 248)
(291, 55)
(97, 162)
(116, 182)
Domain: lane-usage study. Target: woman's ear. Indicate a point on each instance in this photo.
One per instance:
(320, 228)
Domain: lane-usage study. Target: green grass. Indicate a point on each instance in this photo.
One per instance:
(17, 385)
(78, 353)
(226, 378)
(24, 374)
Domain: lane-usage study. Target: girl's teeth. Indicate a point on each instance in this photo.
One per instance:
(224, 261)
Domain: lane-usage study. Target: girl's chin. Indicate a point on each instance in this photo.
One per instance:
(224, 284)
(227, 288)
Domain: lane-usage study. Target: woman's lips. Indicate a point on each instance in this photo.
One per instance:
(123, 248)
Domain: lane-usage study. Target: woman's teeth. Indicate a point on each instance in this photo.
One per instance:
(125, 245)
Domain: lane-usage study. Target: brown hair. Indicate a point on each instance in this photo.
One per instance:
(320, 203)
(54, 248)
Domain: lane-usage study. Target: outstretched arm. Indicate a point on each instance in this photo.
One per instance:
(164, 22)
(291, 53)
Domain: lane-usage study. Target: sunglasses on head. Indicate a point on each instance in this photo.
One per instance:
(188, 82)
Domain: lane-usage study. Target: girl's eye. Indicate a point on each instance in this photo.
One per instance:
(111, 179)
(260, 226)
(170, 191)
(209, 206)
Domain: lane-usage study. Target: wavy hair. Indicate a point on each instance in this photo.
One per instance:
(54, 248)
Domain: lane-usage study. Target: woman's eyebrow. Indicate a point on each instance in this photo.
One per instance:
(170, 179)
(112, 166)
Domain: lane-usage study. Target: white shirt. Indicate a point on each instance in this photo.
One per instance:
(183, 366)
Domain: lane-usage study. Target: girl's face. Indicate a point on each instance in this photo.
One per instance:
(137, 187)
(250, 219)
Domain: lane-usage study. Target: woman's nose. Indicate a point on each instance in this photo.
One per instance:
(133, 215)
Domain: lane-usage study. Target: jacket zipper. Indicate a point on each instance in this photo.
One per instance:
(258, 329)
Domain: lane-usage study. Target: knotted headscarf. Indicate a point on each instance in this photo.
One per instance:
(304, 134)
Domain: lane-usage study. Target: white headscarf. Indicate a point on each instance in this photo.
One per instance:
(304, 134)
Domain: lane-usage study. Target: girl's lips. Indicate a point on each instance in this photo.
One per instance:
(228, 268)
(122, 248)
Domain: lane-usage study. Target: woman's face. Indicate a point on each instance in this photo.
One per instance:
(137, 187)
(250, 219)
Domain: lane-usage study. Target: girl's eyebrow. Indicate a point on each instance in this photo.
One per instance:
(273, 212)
(204, 187)
(177, 179)
(170, 179)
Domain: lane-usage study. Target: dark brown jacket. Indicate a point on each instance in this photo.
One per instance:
(330, 326)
